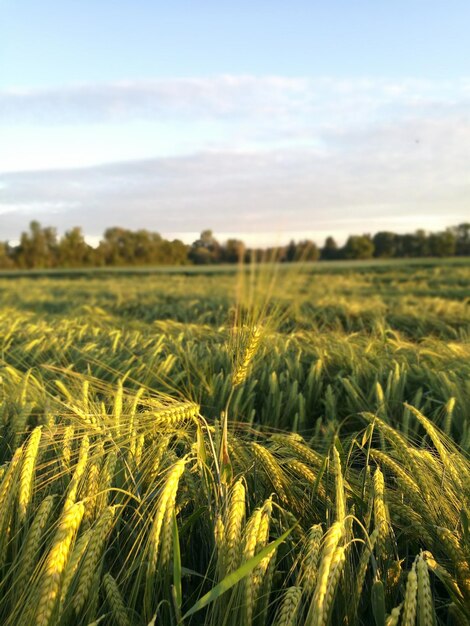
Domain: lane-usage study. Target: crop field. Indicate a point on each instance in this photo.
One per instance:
(236, 448)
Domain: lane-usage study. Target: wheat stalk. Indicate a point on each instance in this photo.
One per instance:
(362, 567)
(309, 566)
(340, 500)
(394, 617)
(380, 513)
(78, 473)
(410, 603)
(74, 562)
(92, 556)
(166, 500)
(287, 614)
(233, 524)
(56, 562)
(336, 568)
(273, 471)
(317, 607)
(27, 472)
(115, 601)
(425, 604)
(33, 542)
(241, 372)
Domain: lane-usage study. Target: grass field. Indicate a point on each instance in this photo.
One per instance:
(282, 446)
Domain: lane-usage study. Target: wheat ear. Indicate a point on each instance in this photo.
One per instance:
(27, 472)
(55, 563)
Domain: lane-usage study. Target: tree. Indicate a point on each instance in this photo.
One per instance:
(206, 249)
(73, 251)
(38, 248)
(412, 244)
(462, 239)
(442, 244)
(384, 244)
(305, 250)
(200, 256)
(330, 251)
(290, 252)
(141, 247)
(6, 260)
(173, 252)
(359, 247)
(421, 243)
(233, 251)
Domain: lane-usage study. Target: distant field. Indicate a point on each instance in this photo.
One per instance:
(299, 434)
(320, 266)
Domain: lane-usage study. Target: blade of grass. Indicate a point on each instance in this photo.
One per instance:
(232, 579)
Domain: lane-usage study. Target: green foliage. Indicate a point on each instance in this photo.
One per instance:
(442, 244)
(41, 248)
(385, 244)
(358, 247)
(330, 250)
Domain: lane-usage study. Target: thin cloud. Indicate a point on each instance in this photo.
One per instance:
(126, 100)
(220, 97)
(294, 155)
(364, 178)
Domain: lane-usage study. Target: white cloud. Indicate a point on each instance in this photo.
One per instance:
(171, 98)
(240, 155)
(365, 182)
(220, 97)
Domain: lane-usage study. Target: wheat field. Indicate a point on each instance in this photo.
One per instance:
(286, 448)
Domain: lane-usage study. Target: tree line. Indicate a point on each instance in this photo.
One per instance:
(41, 247)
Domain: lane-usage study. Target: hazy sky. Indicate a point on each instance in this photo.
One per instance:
(262, 119)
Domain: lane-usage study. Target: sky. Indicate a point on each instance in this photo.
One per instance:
(263, 120)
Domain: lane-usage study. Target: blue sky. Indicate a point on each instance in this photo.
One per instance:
(262, 119)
